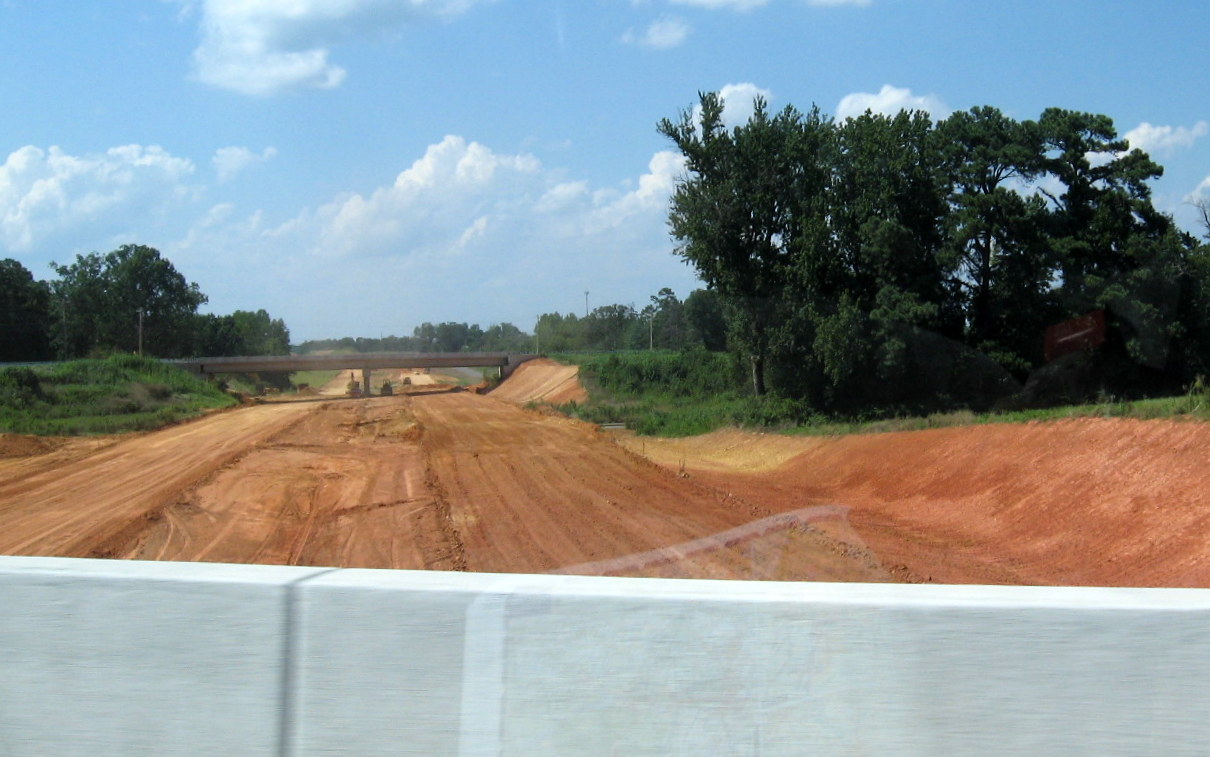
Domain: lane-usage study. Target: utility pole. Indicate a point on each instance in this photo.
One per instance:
(140, 332)
(585, 303)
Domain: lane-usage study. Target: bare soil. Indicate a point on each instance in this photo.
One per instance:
(450, 480)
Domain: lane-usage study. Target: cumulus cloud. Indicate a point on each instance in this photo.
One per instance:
(739, 103)
(889, 101)
(259, 47)
(230, 161)
(463, 233)
(46, 194)
(1201, 192)
(662, 34)
(1165, 140)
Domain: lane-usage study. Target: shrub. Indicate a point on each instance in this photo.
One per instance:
(20, 387)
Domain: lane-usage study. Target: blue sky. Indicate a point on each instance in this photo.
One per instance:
(357, 167)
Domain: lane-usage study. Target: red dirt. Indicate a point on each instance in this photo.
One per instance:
(542, 380)
(455, 481)
(1079, 502)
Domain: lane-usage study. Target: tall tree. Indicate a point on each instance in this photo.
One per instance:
(24, 315)
(1001, 263)
(708, 325)
(1105, 200)
(735, 213)
(128, 298)
(261, 334)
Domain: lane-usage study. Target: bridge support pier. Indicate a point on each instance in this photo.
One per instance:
(365, 382)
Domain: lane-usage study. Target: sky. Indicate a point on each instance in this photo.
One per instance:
(358, 167)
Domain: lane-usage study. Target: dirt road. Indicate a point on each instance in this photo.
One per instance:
(439, 480)
(450, 480)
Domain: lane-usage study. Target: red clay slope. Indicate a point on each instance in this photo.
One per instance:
(1078, 502)
(542, 380)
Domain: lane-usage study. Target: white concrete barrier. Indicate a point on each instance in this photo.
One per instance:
(124, 658)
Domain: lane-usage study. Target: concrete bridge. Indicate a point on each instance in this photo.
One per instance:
(364, 361)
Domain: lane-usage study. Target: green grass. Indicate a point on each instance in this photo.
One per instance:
(684, 394)
(313, 379)
(118, 394)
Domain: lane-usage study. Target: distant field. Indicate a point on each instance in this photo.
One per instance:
(313, 379)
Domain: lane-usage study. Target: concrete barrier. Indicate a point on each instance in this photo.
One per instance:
(126, 658)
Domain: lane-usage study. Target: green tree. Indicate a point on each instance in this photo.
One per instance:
(217, 336)
(505, 337)
(708, 325)
(1105, 201)
(128, 298)
(560, 333)
(260, 334)
(738, 214)
(607, 327)
(24, 315)
(1001, 262)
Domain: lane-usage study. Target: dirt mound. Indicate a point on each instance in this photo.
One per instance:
(542, 380)
(725, 449)
(1080, 502)
(19, 445)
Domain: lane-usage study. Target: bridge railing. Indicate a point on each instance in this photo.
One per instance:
(119, 658)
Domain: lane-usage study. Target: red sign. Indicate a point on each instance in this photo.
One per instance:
(1075, 335)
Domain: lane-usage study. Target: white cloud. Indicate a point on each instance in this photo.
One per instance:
(889, 101)
(49, 194)
(662, 34)
(1165, 140)
(1200, 192)
(464, 233)
(259, 47)
(830, 3)
(739, 103)
(230, 161)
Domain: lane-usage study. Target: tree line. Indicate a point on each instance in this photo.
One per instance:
(665, 323)
(130, 300)
(896, 261)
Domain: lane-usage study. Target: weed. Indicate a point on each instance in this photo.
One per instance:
(105, 396)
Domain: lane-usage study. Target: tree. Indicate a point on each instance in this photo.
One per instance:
(1001, 264)
(505, 337)
(606, 327)
(707, 324)
(737, 214)
(216, 336)
(260, 334)
(1203, 210)
(128, 299)
(24, 315)
(1105, 201)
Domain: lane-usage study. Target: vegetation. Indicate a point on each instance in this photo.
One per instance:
(895, 265)
(693, 392)
(428, 337)
(669, 393)
(130, 300)
(116, 394)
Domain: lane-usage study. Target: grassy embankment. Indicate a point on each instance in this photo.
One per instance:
(117, 394)
(681, 394)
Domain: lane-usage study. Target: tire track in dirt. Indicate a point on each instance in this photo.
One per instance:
(441, 480)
